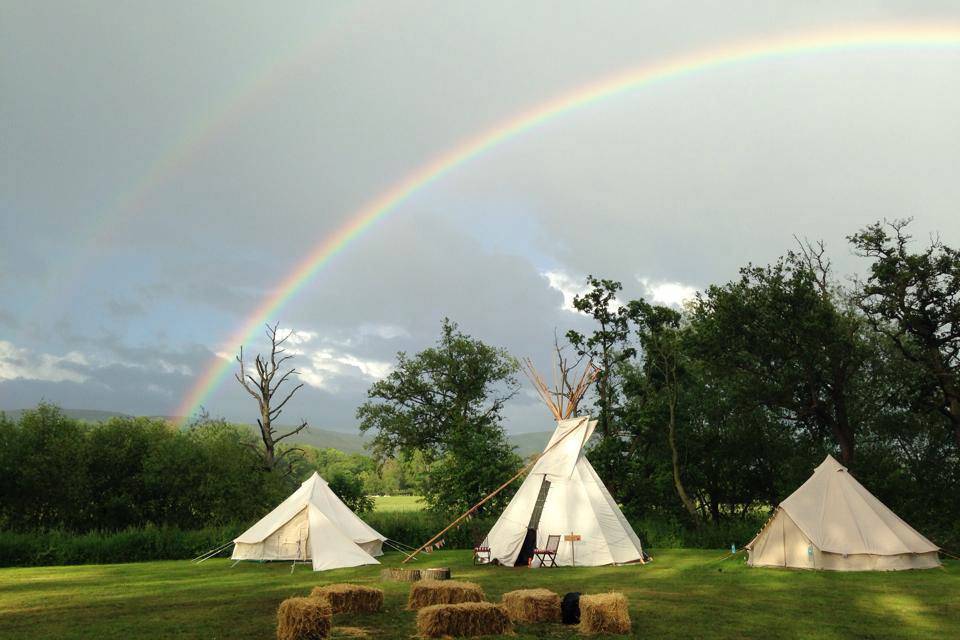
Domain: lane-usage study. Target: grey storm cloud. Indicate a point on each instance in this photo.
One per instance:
(166, 167)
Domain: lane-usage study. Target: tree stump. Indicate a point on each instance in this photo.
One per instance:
(400, 575)
(436, 573)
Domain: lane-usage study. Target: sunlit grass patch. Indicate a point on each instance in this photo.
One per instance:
(682, 594)
(398, 503)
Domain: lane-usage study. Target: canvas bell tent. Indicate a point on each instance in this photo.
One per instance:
(832, 522)
(312, 525)
(564, 495)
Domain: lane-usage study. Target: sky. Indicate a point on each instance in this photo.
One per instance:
(165, 166)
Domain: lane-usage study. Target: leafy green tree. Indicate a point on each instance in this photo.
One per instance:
(447, 403)
(349, 488)
(607, 346)
(9, 471)
(118, 450)
(663, 367)
(51, 484)
(795, 351)
(914, 299)
(209, 474)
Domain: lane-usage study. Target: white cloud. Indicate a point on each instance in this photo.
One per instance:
(383, 331)
(571, 287)
(321, 364)
(297, 337)
(17, 362)
(673, 294)
(665, 292)
(567, 285)
(327, 364)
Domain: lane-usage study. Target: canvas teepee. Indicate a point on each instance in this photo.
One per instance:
(564, 495)
(313, 525)
(832, 522)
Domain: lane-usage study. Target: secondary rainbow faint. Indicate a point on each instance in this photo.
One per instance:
(912, 36)
(195, 138)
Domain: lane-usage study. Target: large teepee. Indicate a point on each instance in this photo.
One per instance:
(563, 495)
(833, 522)
(312, 525)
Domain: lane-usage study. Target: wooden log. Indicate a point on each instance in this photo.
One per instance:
(435, 573)
(400, 575)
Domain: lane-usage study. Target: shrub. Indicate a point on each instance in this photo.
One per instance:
(670, 533)
(416, 527)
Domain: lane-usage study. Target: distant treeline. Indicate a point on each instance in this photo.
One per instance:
(60, 473)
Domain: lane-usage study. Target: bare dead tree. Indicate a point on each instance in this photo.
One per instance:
(814, 256)
(264, 388)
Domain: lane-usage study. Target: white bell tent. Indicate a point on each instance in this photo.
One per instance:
(832, 522)
(313, 525)
(564, 495)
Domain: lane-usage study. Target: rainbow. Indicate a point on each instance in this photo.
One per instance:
(907, 36)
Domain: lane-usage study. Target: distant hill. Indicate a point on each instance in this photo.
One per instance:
(526, 444)
(326, 439)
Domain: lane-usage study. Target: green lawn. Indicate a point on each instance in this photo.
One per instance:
(397, 503)
(683, 594)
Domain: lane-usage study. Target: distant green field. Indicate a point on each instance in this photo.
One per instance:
(398, 503)
(683, 594)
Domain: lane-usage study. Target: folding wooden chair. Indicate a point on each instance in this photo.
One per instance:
(549, 552)
(481, 554)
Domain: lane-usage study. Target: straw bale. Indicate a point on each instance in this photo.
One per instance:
(350, 598)
(428, 592)
(303, 619)
(463, 619)
(604, 613)
(532, 605)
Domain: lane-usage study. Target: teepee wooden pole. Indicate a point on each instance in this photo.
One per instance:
(487, 498)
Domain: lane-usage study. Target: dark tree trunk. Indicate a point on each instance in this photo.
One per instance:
(675, 455)
(714, 509)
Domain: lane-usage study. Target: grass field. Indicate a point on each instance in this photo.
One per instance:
(683, 594)
(397, 503)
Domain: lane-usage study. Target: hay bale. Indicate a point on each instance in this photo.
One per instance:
(532, 605)
(604, 613)
(428, 592)
(464, 619)
(303, 619)
(400, 575)
(350, 598)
